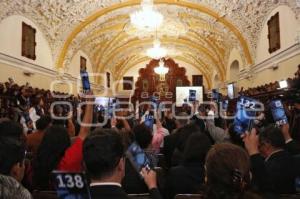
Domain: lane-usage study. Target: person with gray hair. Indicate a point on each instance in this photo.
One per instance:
(182, 119)
(11, 188)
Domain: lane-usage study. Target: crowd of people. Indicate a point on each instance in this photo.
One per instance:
(190, 155)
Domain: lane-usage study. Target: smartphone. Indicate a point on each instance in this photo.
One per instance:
(138, 158)
(192, 95)
(149, 121)
(225, 104)
(70, 185)
(246, 109)
(86, 86)
(110, 112)
(278, 112)
(154, 101)
(215, 94)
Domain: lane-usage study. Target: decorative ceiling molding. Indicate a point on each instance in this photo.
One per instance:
(186, 43)
(193, 6)
(96, 27)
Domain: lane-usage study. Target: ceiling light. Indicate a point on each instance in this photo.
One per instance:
(146, 18)
(161, 69)
(156, 52)
(283, 84)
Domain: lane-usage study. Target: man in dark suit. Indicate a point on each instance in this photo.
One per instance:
(272, 166)
(291, 145)
(103, 155)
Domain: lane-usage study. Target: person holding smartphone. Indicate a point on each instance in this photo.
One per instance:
(271, 164)
(85, 80)
(103, 155)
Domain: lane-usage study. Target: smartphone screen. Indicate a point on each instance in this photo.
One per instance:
(149, 121)
(192, 95)
(70, 185)
(278, 112)
(85, 81)
(225, 104)
(245, 113)
(138, 157)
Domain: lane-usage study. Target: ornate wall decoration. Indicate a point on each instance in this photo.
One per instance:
(105, 36)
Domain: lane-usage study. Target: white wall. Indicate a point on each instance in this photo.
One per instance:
(11, 41)
(234, 71)
(217, 82)
(289, 28)
(190, 71)
(234, 56)
(286, 69)
(74, 67)
(18, 76)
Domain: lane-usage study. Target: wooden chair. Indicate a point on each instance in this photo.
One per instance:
(290, 196)
(44, 195)
(189, 196)
(140, 196)
(161, 161)
(161, 177)
(297, 164)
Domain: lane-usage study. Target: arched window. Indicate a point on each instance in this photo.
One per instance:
(234, 71)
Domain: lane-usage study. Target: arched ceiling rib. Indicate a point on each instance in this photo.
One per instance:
(183, 41)
(184, 4)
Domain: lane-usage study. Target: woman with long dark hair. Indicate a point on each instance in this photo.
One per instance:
(57, 153)
(54, 144)
(228, 173)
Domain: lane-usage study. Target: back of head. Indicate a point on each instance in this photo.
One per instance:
(52, 148)
(183, 119)
(273, 136)
(11, 129)
(43, 123)
(102, 151)
(196, 148)
(184, 133)
(143, 135)
(235, 138)
(12, 152)
(199, 122)
(227, 171)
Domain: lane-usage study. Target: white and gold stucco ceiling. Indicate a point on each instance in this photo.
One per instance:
(197, 32)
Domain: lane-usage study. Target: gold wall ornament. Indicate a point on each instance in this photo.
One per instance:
(200, 66)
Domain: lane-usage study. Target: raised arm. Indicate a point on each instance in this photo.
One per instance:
(71, 127)
(87, 118)
(291, 145)
(158, 123)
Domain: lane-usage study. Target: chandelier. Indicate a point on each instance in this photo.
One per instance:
(146, 18)
(161, 70)
(156, 52)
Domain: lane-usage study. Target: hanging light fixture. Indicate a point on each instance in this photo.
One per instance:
(147, 18)
(156, 52)
(161, 70)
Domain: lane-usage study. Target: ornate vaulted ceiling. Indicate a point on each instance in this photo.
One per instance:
(197, 32)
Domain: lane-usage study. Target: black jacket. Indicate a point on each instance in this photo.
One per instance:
(276, 174)
(293, 147)
(132, 182)
(184, 179)
(115, 192)
(108, 191)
